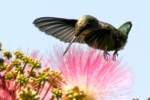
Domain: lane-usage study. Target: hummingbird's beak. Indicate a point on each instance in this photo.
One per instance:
(73, 39)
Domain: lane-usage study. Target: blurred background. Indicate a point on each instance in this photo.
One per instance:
(18, 32)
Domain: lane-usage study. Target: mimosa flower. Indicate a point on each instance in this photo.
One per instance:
(81, 74)
(89, 76)
(27, 77)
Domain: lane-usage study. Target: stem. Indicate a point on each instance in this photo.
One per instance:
(18, 87)
(42, 87)
(46, 92)
(9, 69)
(39, 87)
(30, 72)
(24, 67)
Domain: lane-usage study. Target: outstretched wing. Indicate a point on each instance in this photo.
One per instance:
(63, 29)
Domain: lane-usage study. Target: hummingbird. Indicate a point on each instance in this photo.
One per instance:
(87, 29)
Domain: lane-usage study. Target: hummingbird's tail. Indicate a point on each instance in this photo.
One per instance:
(125, 28)
(73, 39)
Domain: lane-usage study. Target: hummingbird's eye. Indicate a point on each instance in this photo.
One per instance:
(125, 28)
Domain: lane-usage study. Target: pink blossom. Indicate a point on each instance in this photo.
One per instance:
(6, 90)
(91, 73)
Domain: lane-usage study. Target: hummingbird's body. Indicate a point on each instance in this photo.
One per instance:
(87, 29)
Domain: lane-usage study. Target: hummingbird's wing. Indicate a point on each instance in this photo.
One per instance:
(63, 29)
(99, 39)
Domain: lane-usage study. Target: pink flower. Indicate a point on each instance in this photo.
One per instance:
(26, 76)
(97, 78)
(6, 90)
(82, 74)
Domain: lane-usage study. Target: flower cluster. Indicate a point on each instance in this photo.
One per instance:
(91, 77)
(80, 75)
(24, 77)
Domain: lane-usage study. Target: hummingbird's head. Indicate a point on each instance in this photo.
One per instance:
(125, 28)
(86, 22)
(87, 19)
